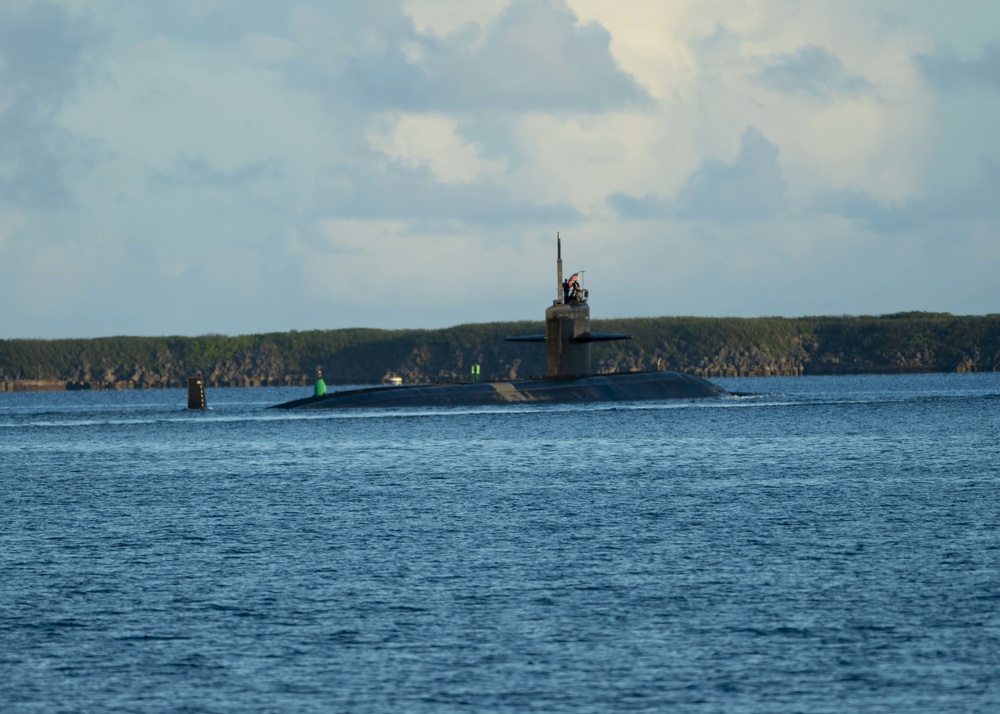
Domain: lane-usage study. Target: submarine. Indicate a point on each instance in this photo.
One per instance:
(569, 376)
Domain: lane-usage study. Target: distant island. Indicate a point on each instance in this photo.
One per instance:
(707, 347)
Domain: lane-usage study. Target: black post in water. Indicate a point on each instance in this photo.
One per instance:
(196, 393)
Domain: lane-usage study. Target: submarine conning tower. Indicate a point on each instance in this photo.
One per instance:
(564, 356)
(565, 322)
(567, 335)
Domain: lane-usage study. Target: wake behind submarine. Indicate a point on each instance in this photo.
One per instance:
(568, 374)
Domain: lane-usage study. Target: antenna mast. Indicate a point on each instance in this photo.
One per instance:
(559, 280)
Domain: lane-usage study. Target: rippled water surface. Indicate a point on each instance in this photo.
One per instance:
(825, 544)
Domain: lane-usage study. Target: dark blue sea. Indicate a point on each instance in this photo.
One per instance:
(827, 544)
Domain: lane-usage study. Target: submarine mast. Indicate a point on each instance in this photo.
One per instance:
(559, 280)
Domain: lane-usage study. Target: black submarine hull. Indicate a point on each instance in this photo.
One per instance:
(620, 387)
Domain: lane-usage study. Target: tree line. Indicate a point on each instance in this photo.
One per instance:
(710, 347)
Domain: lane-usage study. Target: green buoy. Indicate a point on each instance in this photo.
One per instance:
(320, 388)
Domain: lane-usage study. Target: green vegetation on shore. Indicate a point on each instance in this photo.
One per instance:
(710, 347)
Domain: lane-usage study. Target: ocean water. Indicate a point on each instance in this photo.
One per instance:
(824, 544)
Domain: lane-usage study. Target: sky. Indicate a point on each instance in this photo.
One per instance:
(241, 166)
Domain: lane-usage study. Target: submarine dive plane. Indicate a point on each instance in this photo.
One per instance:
(568, 373)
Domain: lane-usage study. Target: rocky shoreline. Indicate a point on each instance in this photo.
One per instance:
(60, 385)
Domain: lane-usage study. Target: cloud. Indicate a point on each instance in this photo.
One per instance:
(751, 188)
(199, 173)
(813, 71)
(948, 71)
(41, 46)
(536, 57)
(42, 50)
(860, 207)
(970, 201)
(664, 45)
(195, 23)
(639, 208)
(433, 141)
(432, 17)
(973, 202)
(394, 192)
(533, 57)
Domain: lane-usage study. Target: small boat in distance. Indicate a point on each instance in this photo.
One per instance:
(568, 373)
